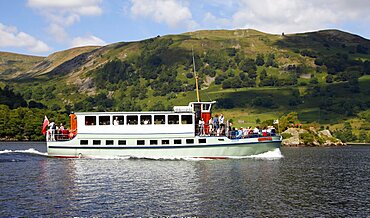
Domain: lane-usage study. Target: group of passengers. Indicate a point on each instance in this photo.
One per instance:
(253, 132)
(56, 133)
(215, 126)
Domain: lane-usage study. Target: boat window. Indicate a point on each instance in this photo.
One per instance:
(90, 120)
(159, 119)
(173, 119)
(132, 119)
(165, 142)
(121, 142)
(118, 120)
(221, 139)
(153, 142)
(96, 142)
(84, 142)
(189, 141)
(109, 142)
(177, 141)
(104, 120)
(146, 119)
(186, 119)
(202, 141)
(206, 107)
(140, 142)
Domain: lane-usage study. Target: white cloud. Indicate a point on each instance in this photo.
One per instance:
(89, 40)
(82, 7)
(10, 37)
(173, 13)
(64, 13)
(290, 15)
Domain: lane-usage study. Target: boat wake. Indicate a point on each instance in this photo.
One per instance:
(269, 155)
(28, 151)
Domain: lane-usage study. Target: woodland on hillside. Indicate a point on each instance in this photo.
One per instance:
(325, 77)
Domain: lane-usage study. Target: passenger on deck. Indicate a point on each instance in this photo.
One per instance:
(245, 132)
(215, 123)
(210, 126)
(239, 133)
(201, 127)
(256, 131)
(271, 130)
(221, 120)
(52, 130)
(115, 121)
(61, 127)
(264, 131)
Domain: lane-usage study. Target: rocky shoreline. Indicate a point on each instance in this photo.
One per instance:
(297, 137)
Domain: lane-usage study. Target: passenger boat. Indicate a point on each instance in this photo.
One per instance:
(165, 134)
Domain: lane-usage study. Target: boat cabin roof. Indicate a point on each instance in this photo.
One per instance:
(190, 109)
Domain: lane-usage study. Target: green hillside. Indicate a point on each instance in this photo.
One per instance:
(323, 76)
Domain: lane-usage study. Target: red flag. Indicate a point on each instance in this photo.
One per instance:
(46, 123)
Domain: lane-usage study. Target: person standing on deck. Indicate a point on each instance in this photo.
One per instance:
(201, 127)
(222, 123)
(210, 128)
(215, 123)
(53, 127)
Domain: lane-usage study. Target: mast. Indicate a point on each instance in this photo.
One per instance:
(195, 75)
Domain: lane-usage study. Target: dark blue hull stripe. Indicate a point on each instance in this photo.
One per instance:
(164, 147)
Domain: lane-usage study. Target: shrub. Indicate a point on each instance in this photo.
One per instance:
(286, 135)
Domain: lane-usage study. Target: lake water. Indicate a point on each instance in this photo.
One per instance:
(298, 182)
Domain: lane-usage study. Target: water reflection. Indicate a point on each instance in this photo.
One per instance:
(307, 182)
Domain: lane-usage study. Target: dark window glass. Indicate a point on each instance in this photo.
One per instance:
(221, 139)
(146, 119)
(202, 141)
(140, 142)
(189, 141)
(165, 142)
(118, 120)
(84, 142)
(186, 119)
(104, 120)
(132, 120)
(154, 142)
(177, 141)
(109, 142)
(206, 107)
(121, 142)
(173, 119)
(159, 119)
(90, 120)
(96, 142)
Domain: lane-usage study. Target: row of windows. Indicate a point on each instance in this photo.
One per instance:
(138, 119)
(143, 142)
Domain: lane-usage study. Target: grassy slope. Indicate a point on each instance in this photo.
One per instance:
(13, 65)
(249, 42)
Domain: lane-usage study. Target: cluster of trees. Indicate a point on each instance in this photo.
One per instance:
(346, 134)
(25, 123)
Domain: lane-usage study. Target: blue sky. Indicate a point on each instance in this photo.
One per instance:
(41, 27)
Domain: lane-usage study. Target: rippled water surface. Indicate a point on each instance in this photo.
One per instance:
(307, 182)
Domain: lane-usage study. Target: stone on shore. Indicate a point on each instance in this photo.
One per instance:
(296, 137)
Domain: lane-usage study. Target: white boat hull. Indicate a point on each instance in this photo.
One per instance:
(215, 147)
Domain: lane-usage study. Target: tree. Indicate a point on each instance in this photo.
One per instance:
(329, 78)
(260, 60)
(345, 134)
(287, 120)
(271, 61)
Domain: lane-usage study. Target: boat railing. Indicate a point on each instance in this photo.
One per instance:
(209, 130)
(64, 135)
